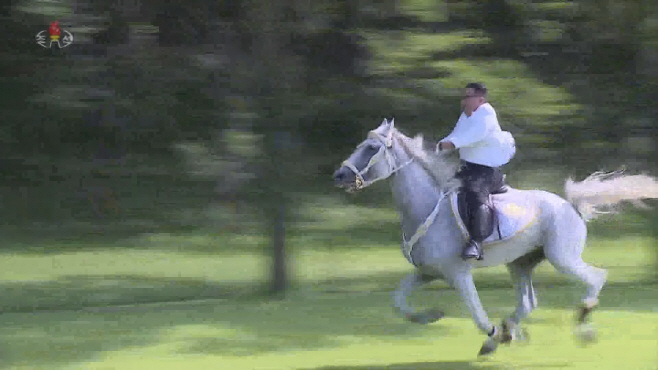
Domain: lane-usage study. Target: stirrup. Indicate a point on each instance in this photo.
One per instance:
(478, 255)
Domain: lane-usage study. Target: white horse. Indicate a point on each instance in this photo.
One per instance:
(539, 225)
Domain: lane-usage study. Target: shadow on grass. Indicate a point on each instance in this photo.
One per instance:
(215, 241)
(108, 211)
(447, 365)
(237, 327)
(475, 51)
(77, 292)
(410, 22)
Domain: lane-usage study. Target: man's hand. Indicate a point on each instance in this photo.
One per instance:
(445, 145)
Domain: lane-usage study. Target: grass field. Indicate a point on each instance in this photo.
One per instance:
(137, 293)
(199, 310)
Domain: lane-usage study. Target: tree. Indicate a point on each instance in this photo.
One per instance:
(279, 81)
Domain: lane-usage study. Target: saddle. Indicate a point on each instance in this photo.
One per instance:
(513, 213)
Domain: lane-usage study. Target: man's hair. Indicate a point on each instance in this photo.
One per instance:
(478, 88)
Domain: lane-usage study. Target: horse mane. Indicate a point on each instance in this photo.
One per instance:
(442, 167)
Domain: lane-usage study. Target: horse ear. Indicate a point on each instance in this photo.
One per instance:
(389, 137)
(385, 122)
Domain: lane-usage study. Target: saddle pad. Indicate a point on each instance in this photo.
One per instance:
(514, 213)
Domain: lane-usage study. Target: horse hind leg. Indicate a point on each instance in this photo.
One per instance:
(595, 279)
(521, 273)
(564, 251)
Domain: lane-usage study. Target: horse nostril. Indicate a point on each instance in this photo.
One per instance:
(339, 175)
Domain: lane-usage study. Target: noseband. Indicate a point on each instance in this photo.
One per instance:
(360, 182)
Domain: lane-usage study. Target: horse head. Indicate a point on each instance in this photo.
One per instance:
(372, 160)
(378, 157)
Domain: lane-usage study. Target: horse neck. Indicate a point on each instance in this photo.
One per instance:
(415, 192)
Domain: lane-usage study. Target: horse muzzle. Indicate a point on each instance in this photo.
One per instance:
(345, 178)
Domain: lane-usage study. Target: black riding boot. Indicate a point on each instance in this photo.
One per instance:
(481, 228)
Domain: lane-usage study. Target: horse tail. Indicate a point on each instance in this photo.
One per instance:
(601, 192)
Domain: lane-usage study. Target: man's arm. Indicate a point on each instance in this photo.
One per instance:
(475, 131)
(445, 143)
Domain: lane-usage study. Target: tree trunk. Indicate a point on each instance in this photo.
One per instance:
(270, 31)
(279, 277)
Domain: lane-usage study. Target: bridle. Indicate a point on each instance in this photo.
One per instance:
(383, 153)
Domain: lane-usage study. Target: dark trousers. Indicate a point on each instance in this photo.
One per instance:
(478, 183)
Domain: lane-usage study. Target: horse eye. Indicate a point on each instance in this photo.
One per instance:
(372, 147)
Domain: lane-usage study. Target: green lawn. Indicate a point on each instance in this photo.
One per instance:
(338, 315)
(318, 331)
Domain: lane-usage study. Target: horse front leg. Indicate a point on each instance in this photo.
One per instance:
(504, 333)
(465, 286)
(407, 285)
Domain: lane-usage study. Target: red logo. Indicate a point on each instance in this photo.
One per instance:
(54, 30)
(60, 38)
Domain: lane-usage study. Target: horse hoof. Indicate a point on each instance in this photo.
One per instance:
(425, 318)
(417, 318)
(513, 332)
(585, 333)
(434, 315)
(489, 346)
(522, 335)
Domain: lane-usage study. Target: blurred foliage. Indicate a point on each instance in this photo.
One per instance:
(263, 99)
(563, 72)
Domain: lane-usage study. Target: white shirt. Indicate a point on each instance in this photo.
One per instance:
(480, 139)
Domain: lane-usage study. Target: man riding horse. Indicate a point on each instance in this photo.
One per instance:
(483, 148)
